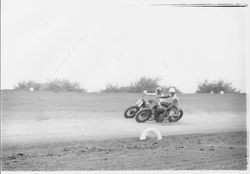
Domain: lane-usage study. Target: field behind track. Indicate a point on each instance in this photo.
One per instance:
(30, 117)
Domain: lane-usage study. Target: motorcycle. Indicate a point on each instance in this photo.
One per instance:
(140, 104)
(148, 113)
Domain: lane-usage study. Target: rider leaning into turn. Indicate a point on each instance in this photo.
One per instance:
(164, 102)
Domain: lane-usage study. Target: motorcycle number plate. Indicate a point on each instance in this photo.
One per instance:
(139, 103)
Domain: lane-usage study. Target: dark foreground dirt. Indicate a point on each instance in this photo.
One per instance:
(226, 151)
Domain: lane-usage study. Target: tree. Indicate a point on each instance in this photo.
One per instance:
(216, 87)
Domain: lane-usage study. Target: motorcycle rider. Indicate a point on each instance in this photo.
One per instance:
(158, 93)
(164, 102)
(173, 105)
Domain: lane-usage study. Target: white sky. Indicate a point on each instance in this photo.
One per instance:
(97, 42)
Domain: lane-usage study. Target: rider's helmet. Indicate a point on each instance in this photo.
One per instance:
(171, 90)
(158, 90)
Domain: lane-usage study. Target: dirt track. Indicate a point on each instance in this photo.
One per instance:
(107, 126)
(46, 117)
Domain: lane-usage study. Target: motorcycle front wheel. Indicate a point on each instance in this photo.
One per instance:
(143, 115)
(131, 111)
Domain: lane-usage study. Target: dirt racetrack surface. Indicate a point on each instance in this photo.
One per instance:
(52, 117)
(106, 127)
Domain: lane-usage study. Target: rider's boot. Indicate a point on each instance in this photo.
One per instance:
(164, 122)
(171, 113)
(165, 118)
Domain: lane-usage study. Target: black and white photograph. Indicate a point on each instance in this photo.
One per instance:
(124, 85)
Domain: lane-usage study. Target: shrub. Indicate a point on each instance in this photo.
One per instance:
(63, 85)
(136, 87)
(146, 84)
(149, 84)
(52, 85)
(216, 87)
(26, 85)
(112, 88)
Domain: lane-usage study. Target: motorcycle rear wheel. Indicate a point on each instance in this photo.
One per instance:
(177, 118)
